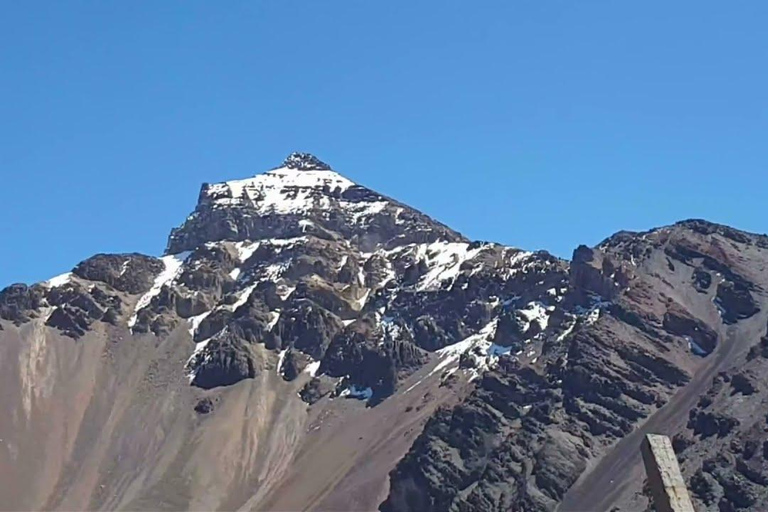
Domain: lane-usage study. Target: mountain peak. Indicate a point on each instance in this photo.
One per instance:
(303, 191)
(305, 162)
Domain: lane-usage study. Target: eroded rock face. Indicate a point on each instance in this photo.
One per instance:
(678, 322)
(69, 306)
(308, 327)
(736, 301)
(130, 273)
(722, 448)
(227, 362)
(521, 441)
(370, 319)
(18, 302)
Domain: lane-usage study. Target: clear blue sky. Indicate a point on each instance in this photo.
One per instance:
(535, 124)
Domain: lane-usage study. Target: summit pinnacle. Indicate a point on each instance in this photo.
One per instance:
(305, 162)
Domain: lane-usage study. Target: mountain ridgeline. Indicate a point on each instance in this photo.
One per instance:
(306, 343)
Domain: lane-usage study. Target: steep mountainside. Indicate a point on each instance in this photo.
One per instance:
(309, 344)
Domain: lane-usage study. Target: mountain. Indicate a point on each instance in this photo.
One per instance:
(306, 343)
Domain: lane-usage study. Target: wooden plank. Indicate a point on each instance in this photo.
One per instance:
(664, 477)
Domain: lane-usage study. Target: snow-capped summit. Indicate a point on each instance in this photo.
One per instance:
(305, 162)
(294, 187)
(303, 194)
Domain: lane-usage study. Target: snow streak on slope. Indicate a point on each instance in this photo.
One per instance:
(480, 342)
(172, 264)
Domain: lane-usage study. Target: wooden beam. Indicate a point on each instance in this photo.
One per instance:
(664, 477)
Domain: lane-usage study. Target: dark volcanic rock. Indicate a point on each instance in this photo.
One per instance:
(707, 424)
(225, 361)
(743, 383)
(251, 323)
(204, 406)
(308, 327)
(367, 365)
(76, 308)
(130, 273)
(509, 332)
(18, 302)
(702, 280)
(728, 463)
(590, 272)
(305, 162)
(293, 365)
(315, 389)
(735, 301)
(681, 323)
(73, 322)
(489, 445)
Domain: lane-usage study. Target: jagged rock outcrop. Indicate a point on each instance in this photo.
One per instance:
(129, 273)
(19, 302)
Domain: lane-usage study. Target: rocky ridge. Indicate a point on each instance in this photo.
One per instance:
(549, 368)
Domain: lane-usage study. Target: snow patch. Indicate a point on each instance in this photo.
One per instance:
(567, 332)
(535, 311)
(517, 263)
(720, 309)
(312, 368)
(282, 191)
(359, 304)
(444, 260)
(285, 242)
(274, 271)
(280, 360)
(195, 321)
(242, 298)
(245, 250)
(360, 276)
(199, 356)
(59, 280)
(390, 329)
(413, 386)
(284, 291)
(591, 314)
(482, 340)
(362, 210)
(273, 321)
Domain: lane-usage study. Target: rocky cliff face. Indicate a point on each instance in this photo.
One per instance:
(308, 343)
(652, 325)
